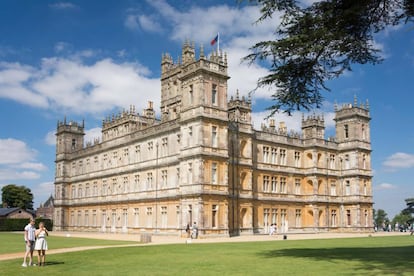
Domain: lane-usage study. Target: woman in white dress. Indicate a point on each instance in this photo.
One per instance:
(41, 243)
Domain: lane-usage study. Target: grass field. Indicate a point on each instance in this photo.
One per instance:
(348, 256)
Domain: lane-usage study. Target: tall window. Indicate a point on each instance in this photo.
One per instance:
(333, 188)
(265, 154)
(274, 184)
(190, 95)
(137, 153)
(214, 136)
(298, 218)
(282, 157)
(149, 181)
(363, 132)
(214, 211)
(164, 180)
(346, 132)
(333, 218)
(274, 216)
(332, 161)
(347, 164)
(136, 217)
(283, 188)
(164, 217)
(365, 189)
(124, 219)
(266, 223)
(348, 217)
(274, 156)
(136, 182)
(214, 94)
(297, 186)
(347, 188)
(164, 146)
(297, 159)
(214, 173)
(149, 216)
(266, 182)
(190, 173)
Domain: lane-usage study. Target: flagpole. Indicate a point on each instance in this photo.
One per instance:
(218, 42)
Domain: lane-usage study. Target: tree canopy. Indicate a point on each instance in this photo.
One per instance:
(17, 196)
(316, 43)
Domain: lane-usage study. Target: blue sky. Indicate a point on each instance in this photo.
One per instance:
(90, 59)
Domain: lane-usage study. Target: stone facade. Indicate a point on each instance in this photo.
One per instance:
(203, 162)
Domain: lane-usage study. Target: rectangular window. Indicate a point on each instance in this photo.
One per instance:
(348, 217)
(274, 156)
(214, 137)
(214, 216)
(266, 183)
(214, 94)
(136, 182)
(164, 180)
(283, 188)
(164, 146)
(282, 156)
(297, 186)
(347, 188)
(137, 153)
(333, 218)
(214, 173)
(346, 131)
(297, 159)
(149, 181)
(265, 154)
(274, 184)
(298, 218)
(149, 216)
(266, 222)
(136, 217)
(164, 222)
(190, 173)
(190, 95)
(333, 188)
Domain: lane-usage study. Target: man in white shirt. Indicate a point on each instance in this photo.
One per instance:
(29, 239)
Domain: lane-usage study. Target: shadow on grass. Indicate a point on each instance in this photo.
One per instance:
(54, 263)
(384, 259)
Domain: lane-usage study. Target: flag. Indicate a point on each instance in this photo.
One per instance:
(214, 40)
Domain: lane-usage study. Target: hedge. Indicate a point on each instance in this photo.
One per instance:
(8, 224)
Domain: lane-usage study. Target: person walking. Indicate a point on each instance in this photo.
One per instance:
(29, 239)
(194, 234)
(41, 244)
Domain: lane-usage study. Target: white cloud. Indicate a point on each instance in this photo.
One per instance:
(399, 160)
(18, 161)
(92, 134)
(14, 151)
(50, 138)
(149, 24)
(67, 84)
(131, 22)
(385, 186)
(11, 174)
(42, 191)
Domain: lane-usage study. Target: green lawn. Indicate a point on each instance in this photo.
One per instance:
(351, 256)
(15, 242)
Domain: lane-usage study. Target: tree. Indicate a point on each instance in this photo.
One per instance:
(380, 217)
(17, 196)
(319, 42)
(410, 209)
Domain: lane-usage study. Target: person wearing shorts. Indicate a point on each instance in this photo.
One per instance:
(29, 239)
